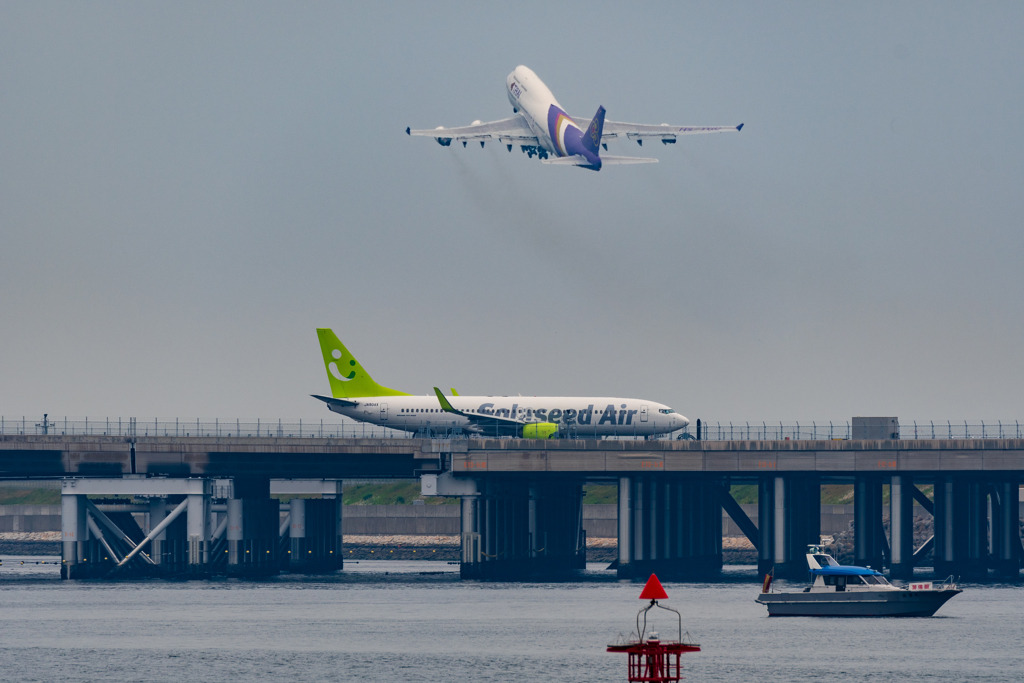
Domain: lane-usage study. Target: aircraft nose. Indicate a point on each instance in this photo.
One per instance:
(682, 420)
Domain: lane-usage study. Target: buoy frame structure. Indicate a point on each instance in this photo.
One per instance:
(654, 591)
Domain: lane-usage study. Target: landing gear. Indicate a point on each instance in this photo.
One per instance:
(533, 149)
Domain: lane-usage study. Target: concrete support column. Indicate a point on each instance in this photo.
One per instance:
(901, 525)
(625, 522)
(339, 533)
(257, 552)
(945, 526)
(977, 530)
(1006, 530)
(789, 519)
(961, 527)
(297, 560)
(780, 541)
(559, 528)
(470, 526)
(315, 543)
(766, 524)
(639, 504)
(234, 533)
(519, 528)
(868, 538)
(532, 521)
(669, 525)
(198, 534)
(157, 513)
(73, 536)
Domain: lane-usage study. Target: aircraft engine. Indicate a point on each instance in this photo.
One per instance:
(444, 142)
(540, 430)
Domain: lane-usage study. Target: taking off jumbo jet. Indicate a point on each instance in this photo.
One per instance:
(540, 126)
(354, 394)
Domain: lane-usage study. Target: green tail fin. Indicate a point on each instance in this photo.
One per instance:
(348, 378)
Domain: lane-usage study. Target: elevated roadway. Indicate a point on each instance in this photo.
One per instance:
(283, 457)
(522, 499)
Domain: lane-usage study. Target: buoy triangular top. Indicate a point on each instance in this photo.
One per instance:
(654, 590)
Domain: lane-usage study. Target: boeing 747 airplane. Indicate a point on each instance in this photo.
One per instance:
(540, 126)
(354, 394)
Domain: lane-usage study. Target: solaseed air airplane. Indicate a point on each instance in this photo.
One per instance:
(540, 126)
(354, 394)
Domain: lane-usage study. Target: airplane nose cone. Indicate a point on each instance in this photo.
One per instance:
(682, 421)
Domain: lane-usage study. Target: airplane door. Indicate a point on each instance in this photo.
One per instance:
(643, 413)
(383, 411)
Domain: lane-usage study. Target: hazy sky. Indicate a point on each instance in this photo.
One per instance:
(188, 190)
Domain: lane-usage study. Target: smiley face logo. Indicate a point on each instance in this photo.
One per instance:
(335, 372)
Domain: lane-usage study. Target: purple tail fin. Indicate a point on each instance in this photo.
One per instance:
(592, 137)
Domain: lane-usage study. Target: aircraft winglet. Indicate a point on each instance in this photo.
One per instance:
(445, 405)
(739, 128)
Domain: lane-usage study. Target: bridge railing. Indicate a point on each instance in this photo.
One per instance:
(280, 428)
(129, 427)
(795, 431)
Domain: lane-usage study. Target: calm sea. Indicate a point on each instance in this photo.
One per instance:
(415, 621)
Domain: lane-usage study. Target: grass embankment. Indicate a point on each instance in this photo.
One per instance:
(832, 494)
(29, 496)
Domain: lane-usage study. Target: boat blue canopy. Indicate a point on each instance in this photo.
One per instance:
(844, 570)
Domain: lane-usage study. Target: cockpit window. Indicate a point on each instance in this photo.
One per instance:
(665, 411)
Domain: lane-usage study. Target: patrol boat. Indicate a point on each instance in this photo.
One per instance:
(844, 591)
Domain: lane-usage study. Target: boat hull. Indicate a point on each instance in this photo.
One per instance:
(901, 603)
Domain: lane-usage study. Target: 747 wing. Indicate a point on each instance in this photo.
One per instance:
(664, 132)
(509, 131)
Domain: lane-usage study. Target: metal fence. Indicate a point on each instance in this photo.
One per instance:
(135, 427)
(279, 428)
(782, 431)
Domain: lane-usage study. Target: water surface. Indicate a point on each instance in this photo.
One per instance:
(416, 621)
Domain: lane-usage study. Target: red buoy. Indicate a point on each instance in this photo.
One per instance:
(654, 660)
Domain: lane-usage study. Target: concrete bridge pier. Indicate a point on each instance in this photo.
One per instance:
(515, 528)
(472, 553)
(558, 543)
(870, 548)
(1006, 543)
(97, 542)
(789, 519)
(671, 526)
(315, 535)
(961, 527)
(901, 527)
(157, 513)
(505, 544)
(73, 536)
(253, 529)
(197, 523)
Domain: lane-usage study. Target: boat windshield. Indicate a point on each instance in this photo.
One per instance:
(825, 560)
(875, 580)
